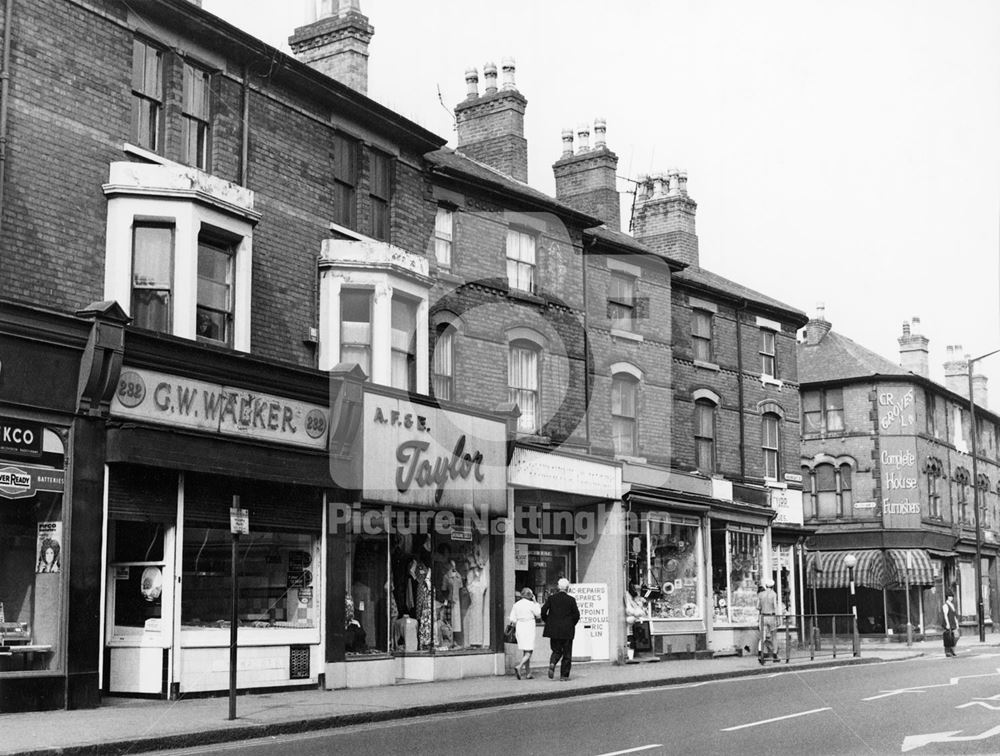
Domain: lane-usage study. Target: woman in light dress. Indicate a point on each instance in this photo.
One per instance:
(524, 614)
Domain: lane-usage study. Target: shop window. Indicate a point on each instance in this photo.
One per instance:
(521, 260)
(356, 328)
(195, 117)
(736, 563)
(823, 411)
(277, 576)
(704, 435)
(443, 371)
(783, 575)
(665, 565)
(443, 235)
(152, 276)
(771, 445)
(539, 566)
(403, 359)
(621, 301)
(523, 381)
(379, 191)
(701, 335)
(624, 411)
(345, 181)
(137, 564)
(214, 310)
(416, 592)
(768, 353)
(147, 95)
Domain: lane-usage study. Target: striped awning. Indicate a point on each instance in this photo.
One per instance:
(920, 570)
(826, 569)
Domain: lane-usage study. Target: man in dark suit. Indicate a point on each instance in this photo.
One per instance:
(560, 615)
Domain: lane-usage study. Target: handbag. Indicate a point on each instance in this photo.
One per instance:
(510, 633)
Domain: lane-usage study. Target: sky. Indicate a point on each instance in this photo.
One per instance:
(844, 154)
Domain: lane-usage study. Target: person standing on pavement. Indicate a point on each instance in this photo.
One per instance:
(524, 613)
(950, 624)
(767, 608)
(560, 615)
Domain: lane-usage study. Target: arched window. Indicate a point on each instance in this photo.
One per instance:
(523, 375)
(704, 435)
(624, 407)
(934, 470)
(771, 445)
(962, 480)
(443, 368)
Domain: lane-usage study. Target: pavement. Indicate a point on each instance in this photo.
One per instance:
(129, 726)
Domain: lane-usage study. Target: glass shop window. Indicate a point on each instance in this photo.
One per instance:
(279, 579)
(664, 565)
(736, 573)
(137, 563)
(413, 591)
(539, 566)
(32, 539)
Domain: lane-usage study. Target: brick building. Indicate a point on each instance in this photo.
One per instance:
(888, 475)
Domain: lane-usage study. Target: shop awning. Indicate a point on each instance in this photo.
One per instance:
(826, 569)
(920, 570)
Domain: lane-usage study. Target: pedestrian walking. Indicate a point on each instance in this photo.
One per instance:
(523, 614)
(560, 615)
(767, 610)
(950, 624)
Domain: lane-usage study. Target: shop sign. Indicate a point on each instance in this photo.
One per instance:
(20, 437)
(216, 408)
(592, 601)
(24, 481)
(239, 521)
(899, 474)
(788, 505)
(424, 456)
(520, 556)
(896, 410)
(554, 472)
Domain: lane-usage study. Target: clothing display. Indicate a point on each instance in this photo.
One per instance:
(453, 579)
(424, 608)
(474, 619)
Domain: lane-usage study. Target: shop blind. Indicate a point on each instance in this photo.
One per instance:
(144, 494)
(271, 506)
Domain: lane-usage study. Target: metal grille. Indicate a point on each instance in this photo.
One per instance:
(298, 662)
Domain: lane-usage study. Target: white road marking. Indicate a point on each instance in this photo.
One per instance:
(776, 719)
(632, 750)
(924, 688)
(910, 742)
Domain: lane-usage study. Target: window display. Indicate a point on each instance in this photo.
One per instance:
(665, 559)
(278, 573)
(736, 564)
(137, 562)
(539, 567)
(416, 592)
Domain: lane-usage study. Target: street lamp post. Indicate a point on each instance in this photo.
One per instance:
(850, 561)
(980, 613)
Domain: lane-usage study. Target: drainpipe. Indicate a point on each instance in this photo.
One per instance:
(741, 307)
(4, 97)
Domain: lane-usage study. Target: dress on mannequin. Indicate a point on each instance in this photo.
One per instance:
(425, 610)
(474, 621)
(453, 578)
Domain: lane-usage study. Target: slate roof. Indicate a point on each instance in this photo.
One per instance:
(700, 278)
(455, 164)
(836, 357)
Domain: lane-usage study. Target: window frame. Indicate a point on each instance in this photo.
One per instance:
(444, 239)
(702, 343)
(824, 411)
(147, 105)
(194, 123)
(410, 350)
(620, 419)
(353, 343)
(622, 300)
(528, 422)
(217, 243)
(768, 356)
(380, 174)
(701, 406)
(517, 265)
(346, 149)
(444, 352)
(134, 306)
(771, 453)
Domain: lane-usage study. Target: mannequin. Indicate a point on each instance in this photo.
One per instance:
(424, 608)
(474, 621)
(453, 581)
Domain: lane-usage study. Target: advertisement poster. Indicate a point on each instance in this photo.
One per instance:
(49, 546)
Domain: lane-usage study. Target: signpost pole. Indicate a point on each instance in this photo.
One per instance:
(909, 624)
(239, 523)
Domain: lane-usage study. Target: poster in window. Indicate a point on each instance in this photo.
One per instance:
(49, 547)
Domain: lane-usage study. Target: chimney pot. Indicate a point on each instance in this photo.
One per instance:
(567, 142)
(472, 83)
(906, 328)
(916, 323)
(600, 133)
(508, 73)
(820, 311)
(673, 182)
(682, 183)
(490, 77)
(583, 138)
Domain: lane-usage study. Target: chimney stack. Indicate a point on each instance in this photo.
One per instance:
(491, 126)
(336, 43)
(664, 217)
(817, 327)
(913, 349)
(956, 375)
(586, 179)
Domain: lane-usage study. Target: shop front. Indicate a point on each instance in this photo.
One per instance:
(787, 552)
(182, 452)
(416, 542)
(568, 523)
